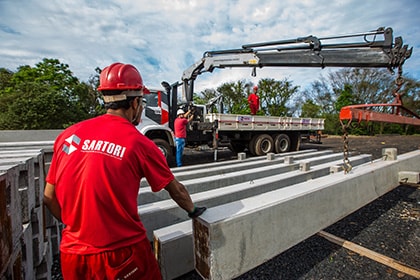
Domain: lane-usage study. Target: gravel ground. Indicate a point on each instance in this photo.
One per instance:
(390, 226)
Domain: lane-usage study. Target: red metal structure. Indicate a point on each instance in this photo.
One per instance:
(363, 112)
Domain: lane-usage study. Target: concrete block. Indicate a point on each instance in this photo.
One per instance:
(174, 250)
(336, 169)
(389, 153)
(13, 270)
(6, 237)
(27, 253)
(25, 182)
(37, 235)
(54, 236)
(410, 177)
(231, 239)
(12, 204)
(288, 160)
(271, 156)
(305, 166)
(241, 156)
(43, 270)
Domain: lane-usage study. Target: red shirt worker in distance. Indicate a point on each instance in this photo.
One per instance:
(254, 101)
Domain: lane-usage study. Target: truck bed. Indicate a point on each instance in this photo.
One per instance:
(228, 122)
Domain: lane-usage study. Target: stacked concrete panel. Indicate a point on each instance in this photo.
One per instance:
(25, 245)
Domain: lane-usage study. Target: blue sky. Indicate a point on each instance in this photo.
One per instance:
(164, 37)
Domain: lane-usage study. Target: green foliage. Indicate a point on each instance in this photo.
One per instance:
(46, 96)
(274, 96)
(345, 98)
(234, 97)
(310, 110)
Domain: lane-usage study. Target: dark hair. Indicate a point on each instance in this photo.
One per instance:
(124, 104)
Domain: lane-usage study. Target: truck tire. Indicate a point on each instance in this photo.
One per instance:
(251, 145)
(164, 148)
(282, 143)
(264, 144)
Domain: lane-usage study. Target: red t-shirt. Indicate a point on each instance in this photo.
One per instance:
(96, 168)
(254, 100)
(180, 126)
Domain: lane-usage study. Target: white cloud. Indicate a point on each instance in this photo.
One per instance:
(164, 37)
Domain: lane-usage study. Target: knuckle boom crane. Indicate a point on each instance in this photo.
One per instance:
(260, 134)
(310, 51)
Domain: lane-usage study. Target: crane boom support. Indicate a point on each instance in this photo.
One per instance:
(310, 51)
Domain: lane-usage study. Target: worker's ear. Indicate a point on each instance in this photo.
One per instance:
(134, 103)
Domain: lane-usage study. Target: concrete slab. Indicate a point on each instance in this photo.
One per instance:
(231, 239)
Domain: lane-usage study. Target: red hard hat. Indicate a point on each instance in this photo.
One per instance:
(255, 87)
(119, 76)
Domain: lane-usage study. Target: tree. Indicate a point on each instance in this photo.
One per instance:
(46, 96)
(234, 97)
(274, 96)
(310, 110)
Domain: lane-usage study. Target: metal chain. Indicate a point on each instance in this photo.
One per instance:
(346, 162)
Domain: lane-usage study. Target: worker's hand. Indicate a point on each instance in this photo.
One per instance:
(196, 212)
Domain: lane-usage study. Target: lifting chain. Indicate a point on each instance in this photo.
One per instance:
(346, 162)
(399, 80)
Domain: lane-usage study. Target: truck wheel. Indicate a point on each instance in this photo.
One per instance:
(164, 148)
(282, 143)
(251, 145)
(264, 144)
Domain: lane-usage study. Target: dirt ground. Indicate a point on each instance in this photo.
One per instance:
(372, 145)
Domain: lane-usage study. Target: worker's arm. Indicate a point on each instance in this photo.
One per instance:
(189, 116)
(50, 200)
(180, 195)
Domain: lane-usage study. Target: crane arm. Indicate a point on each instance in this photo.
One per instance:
(369, 52)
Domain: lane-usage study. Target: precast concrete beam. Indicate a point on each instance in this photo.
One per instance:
(222, 196)
(231, 239)
(166, 212)
(217, 168)
(173, 249)
(235, 174)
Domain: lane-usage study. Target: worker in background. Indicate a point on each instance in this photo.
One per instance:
(93, 184)
(254, 101)
(180, 126)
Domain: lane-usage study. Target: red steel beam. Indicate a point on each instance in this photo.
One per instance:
(359, 113)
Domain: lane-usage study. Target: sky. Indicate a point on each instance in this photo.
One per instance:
(162, 38)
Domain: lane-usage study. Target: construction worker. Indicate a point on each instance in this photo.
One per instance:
(180, 127)
(254, 101)
(93, 184)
